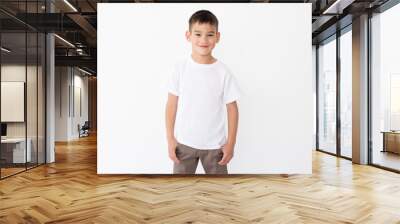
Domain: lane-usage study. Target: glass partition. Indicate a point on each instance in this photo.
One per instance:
(41, 85)
(32, 95)
(22, 101)
(385, 89)
(346, 94)
(327, 96)
(13, 108)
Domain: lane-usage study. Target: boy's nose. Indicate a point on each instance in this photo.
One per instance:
(203, 39)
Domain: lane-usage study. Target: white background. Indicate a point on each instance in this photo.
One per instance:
(266, 46)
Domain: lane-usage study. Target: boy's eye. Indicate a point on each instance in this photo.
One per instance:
(210, 35)
(197, 34)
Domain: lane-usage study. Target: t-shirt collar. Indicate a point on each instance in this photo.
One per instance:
(202, 65)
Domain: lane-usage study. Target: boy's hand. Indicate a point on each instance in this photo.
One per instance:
(227, 149)
(172, 143)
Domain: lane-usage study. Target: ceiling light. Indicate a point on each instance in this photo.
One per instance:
(86, 72)
(338, 6)
(70, 5)
(5, 49)
(64, 40)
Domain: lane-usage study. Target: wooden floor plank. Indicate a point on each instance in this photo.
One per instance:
(70, 191)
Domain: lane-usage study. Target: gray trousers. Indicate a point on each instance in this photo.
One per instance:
(189, 158)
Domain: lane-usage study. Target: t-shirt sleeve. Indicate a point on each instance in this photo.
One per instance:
(232, 90)
(173, 82)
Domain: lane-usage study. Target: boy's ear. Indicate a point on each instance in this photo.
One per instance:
(187, 34)
(218, 36)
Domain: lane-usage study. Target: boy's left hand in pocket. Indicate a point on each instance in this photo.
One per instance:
(227, 150)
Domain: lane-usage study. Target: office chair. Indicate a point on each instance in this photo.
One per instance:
(84, 130)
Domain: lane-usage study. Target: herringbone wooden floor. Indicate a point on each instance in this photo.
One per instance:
(70, 191)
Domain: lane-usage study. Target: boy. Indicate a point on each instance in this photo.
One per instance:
(200, 89)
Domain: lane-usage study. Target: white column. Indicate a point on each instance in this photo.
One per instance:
(50, 92)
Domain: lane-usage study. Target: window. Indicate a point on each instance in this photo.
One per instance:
(346, 93)
(327, 96)
(385, 88)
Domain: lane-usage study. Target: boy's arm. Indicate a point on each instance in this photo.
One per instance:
(233, 118)
(170, 115)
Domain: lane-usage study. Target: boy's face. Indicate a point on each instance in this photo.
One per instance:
(203, 37)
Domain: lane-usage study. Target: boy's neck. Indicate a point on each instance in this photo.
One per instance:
(203, 59)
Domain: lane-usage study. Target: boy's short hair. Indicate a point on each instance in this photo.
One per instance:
(203, 16)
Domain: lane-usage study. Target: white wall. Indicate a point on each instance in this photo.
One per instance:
(270, 55)
(80, 84)
(61, 103)
(68, 81)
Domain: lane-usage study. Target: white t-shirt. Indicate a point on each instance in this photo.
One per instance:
(203, 90)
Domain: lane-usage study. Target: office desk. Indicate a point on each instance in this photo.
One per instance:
(13, 150)
(391, 141)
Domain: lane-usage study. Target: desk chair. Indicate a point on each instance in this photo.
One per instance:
(84, 130)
